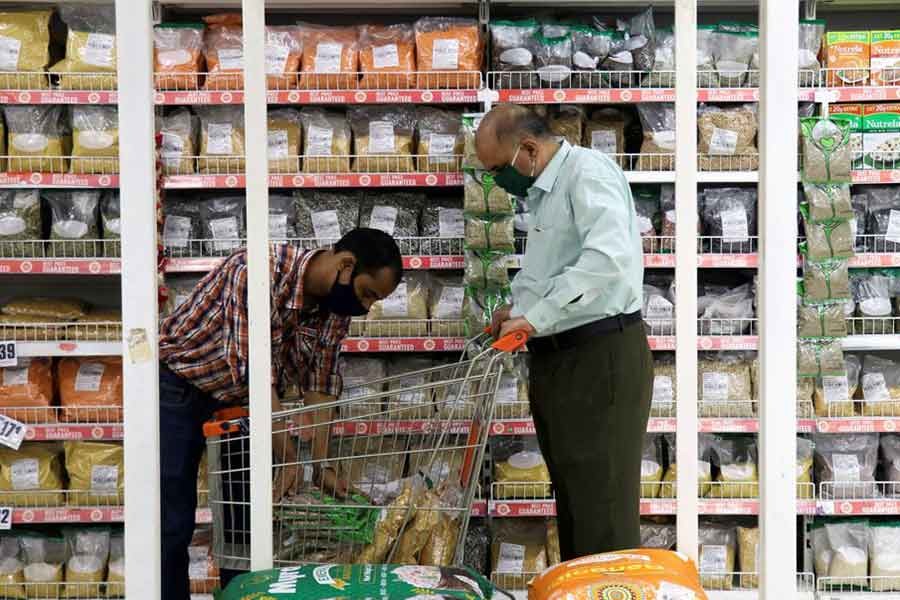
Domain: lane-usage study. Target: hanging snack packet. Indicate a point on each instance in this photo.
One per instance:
(383, 138)
(483, 197)
(178, 56)
(486, 270)
(387, 57)
(224, 49)
(330, 58)
(820, 358)
(827, 240)
(828, 201)
(24, 49)
(95, 139)
(470, 123)
(441, 140)
(90, 48)
(821, 320)
(827, 155)
(825, 281)
(221, 139)
(490, 233)
(326, 141)
(448, 53)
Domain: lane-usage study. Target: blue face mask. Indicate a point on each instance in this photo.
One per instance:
(512, 181)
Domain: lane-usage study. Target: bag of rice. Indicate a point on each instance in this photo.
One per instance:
(651, 466)
(880, 383)
(178, 56)
(95, 139)
(20, 219)
(884, 556)
(88, 553)
(325, 216)
(404, 313)
(440, 140)
(725, 388)
(845, 465)
(96, 473)
(39, 138)
(26, 391)
(387, 57)
(224, 50)
(111, 223)
(490, 233)
(448, 53)
(330, 58)
(12, 568)
(518, 547)
(179, 141)
(847, 555)
(383, 138)
(833, 395)
(735, 458)
(326, 141)
(115, 577)
(25, 39)
(32, 475)
(74, 220)
(658, 147)
(224, 224)
(45, 559)
(90, 48)
(90, 389)
(221, 139)
(284, 140)
(718, 549)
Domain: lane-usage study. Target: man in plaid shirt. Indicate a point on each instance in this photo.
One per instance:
(203, 350)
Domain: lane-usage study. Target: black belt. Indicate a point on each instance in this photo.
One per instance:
(574, 337)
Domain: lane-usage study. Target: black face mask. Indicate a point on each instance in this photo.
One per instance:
(342, 300)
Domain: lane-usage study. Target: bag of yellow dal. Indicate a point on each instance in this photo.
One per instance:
(90, 62)
(96, 473)
(38, 137)
(24, 49)
(95, 139)
(31, 476)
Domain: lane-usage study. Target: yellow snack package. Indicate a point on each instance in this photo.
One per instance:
(95, 139)
(90, 62)
(96, 473)
(31, 476)
(24, 49)
(38, 139)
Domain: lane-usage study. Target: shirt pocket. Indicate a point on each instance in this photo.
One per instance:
(552, 216)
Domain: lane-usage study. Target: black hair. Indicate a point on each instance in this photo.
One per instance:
(515, 122)
(374, 250)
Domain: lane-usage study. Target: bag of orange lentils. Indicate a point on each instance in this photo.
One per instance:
(625, 575)
(448, 53)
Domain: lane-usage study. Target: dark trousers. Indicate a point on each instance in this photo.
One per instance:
(182, 411)
(591, 403)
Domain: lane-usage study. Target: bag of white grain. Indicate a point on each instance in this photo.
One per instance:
(91, 53)
(848, 544)
(178, 152)
(12, 567)
(39, 139)
(833, 394)
(115, 577)
(880, 382)
(805, 452)
(735, 459)
(520, 471)
(25, 39)
(45, 558)
(95, 139)
(884, 556)
(704, 466)
(74, 217)
(88, 554)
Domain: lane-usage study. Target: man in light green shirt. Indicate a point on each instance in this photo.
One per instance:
(579, 296)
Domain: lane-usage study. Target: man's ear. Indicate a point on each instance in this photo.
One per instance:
(346, 264)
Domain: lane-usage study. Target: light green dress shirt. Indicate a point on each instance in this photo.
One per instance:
(583, 260)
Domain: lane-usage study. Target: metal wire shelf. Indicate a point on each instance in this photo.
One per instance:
(60, 249)
(87, 498)
(104, 331)
(65, 415)
(79, 165)
(409, 246)
(859, 490)
(522, 490)
(407, 328)
(874, 326)
(232, 80)
(306, 164)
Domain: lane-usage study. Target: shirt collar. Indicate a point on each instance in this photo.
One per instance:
(295, 302)
(550, 174)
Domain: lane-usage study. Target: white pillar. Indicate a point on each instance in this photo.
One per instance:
(258, 286)
(778, 38)
(686, 270)
(139, 293)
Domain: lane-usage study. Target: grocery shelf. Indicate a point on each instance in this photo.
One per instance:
(858, 425)
(33, 516)
(67, 348)
(865, 343)
(851, 508)
(319, 97)
(56, 180)
(62, 431)
(62, 266)
(404, 344)
(324, 180)
(856, 588)
(58, 333)
(56, 96)
(649, 507)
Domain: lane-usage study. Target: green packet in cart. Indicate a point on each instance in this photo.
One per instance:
(360, 582)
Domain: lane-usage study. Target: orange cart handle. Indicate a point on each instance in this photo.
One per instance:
(511, 342)
(225, 421)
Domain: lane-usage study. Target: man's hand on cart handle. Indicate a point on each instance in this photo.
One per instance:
(500, 316)
(514, 325)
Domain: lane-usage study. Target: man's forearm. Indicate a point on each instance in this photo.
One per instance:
(321, 419)
(283, 447)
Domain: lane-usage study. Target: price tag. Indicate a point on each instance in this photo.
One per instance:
(8, 354)
(6, 518)
(11, 432)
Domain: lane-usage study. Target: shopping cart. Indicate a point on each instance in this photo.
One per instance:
(386, 473)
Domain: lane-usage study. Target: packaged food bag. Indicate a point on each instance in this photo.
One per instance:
(651, 466)
(178, 56)
(827, 155)
(707, 54)
(96, 473)
(284, 140)
(805, 449)
(890, 456)
(221, 139)
(95, 139)
(880, 383)
(717, 556)
(330, 58)
(325, 216)
(518, 547)
(553, 59)
(567, 122)
(383, 138)
(448, 53)
(662, 75)
(882, 219)
(202, 569)
(12, 568)
(443, 224)
(848, 54)
(812, 36)
(828, 201)
(847, 554)
(387, 56)
(833, 395)
(32, 475)
(725, 386)
(644, 573)
(482, 196)
(727, 138)
(828, 240)
(470, 123)
(20, 219)
(181, 225)
(178, 151)
(326, 141)
(111, 223)
(25, 49)
(45, 558)
(282, 218)
(414, 404)
(735, 44)
(90, 389)
(605, 132)
(512, 54)
(379, 582)
(408, 302)
(872, 295)
(284, 49)
(486, 270)
(91, 54)
(88, 554)
(846, 463)
(115, 575)
(738, 476)
(441, 140)
(224, 52)
(490, 233)
(823, 281)
(821, 320)
(224, 224)
(522, 474)
(658, 147)
(38, 138)
(447, 306)
(391, 520)
(884, 556)
(74, 223)
(662, 403)
(819, 358)
(590, 47)
(28, 387)
(728, 215)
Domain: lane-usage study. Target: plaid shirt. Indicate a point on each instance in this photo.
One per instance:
(205, 340)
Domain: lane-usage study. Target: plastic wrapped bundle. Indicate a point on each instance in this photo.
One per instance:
(95, 139)
(727, 138)
(91, 54)
(717, 556)
(482, 196)
(827, 155)
(224, 225)
(512, 54)
(448, 53)
(26, 49)
(383, 138)
(330, 58)
(658, 147)
(178, 56)
(387, 57)
(447, 306)
(90, 389)
(38, 139)
(326, 141)
(181, 225)
(590, 48)
(20, 220)
(441, 141)
(221, 139)
(284, 47)
(490, 233)
(651, 466)
(26, 391)
(74, 223)
(178, 152)
(444, 222)
(553, 59)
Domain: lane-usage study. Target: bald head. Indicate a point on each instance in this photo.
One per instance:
(510, 127)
